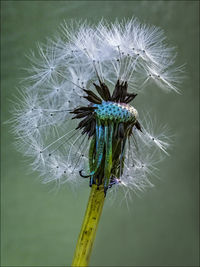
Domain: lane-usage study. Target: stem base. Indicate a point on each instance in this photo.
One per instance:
(89, 226)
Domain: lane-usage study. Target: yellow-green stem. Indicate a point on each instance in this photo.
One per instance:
(89, 227)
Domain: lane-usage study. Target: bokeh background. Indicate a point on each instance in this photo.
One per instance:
(160, 228)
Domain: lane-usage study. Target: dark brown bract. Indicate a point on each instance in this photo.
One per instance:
(109, 121)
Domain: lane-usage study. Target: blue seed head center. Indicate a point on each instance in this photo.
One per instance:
(116, 111)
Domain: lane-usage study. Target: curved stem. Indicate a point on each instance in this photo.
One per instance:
(89, 226)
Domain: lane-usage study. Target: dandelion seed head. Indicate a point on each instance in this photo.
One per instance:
(79, 91)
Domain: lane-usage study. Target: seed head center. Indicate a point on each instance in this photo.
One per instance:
(121, 112)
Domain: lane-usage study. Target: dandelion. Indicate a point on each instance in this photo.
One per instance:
(86, 80)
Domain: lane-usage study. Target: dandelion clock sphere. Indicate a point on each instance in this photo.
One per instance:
(85, 80)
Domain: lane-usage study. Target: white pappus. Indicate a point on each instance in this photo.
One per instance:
(61, 79)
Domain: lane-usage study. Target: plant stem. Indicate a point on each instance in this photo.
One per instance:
(89, 227)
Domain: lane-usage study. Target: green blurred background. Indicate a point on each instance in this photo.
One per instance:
(160, 228)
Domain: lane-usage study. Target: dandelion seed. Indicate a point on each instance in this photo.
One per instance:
(86, 80)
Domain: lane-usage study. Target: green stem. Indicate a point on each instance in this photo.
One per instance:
(89, 227)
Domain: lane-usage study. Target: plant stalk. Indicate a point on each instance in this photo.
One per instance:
(88, 231)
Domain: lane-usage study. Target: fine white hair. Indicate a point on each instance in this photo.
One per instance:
(76, 58)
